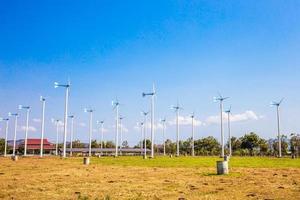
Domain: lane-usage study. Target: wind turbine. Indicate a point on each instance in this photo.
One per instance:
(121, 134)
(102, 130)
(16, 115)
(6, 133)
(193, 134)
(177, 108)
(43, 100)
(116, 105)
(221, 99)
(72, 134)
(56, 122)
(67, 86)
(152, 94)
(229, 130)
(90, 129)
(145, 132)
(163, 121)
(277, 104)
(27, 108)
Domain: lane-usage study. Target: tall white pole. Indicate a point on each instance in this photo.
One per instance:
(142, 135)
(6, 134)
(222, 134)
(91, 129)
(102, 130)
(43, 126)
(152, 125)
(26, 131)
(193, 137)
(229, 134)
(57, 133)
(164, 136)
(66, 121)
(117, 130)
(15, 134)
(71, 135)
(145, 133)
(121, 136)
(177, 131)
(278, 129)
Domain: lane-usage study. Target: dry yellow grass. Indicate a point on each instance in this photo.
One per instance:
(54, 178)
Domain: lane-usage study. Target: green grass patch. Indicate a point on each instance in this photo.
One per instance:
(160, 161)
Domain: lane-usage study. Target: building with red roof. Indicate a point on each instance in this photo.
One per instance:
(34, 145)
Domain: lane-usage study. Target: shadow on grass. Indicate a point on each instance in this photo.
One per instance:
(231, 174)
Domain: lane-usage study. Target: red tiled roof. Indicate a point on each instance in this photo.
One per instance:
(39, 147)
(37, 142)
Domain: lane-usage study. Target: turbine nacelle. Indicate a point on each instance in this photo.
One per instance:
(12, 114)
(3, 119)
(100, 122)
(274, 103)
(56, 85)
(144, 113)
(20, 107)
(86, 110)
(42, 98)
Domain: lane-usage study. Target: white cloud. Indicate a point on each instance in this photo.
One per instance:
(30, 128)
(82, 124)
(157, 126)
(186, 120)
(248, 115)
(124, 128)
(37, 120)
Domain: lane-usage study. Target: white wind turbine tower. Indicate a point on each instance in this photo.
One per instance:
(72, 134)
(177, 108)
(145, 133)
(142, 135)
(229, 129)
(90, 129)
(43, 100)
(6, 133)
(116, 105)
(67, 86)
(27, 108)
(193, 134)
(277, 104)
(163, 121)
(16, 115)
(56, 122)
(221, 100)
(121, 134)
(102, 131)
(152, 94)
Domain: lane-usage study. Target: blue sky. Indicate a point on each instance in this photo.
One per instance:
(191, 50)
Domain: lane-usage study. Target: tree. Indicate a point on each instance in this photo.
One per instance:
(110, 144)
(207, 146)
(2, 144)
(295, 144)
(263, 147)
(235, 145)
(94, 144)
(250, 142)
(125, 144)
(148, 144)
(77, 144)
(170, 147)
(284, 145)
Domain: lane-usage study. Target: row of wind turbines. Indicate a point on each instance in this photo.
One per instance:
(116, 107)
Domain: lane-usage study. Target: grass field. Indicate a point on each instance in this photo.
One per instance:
(159, 178)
